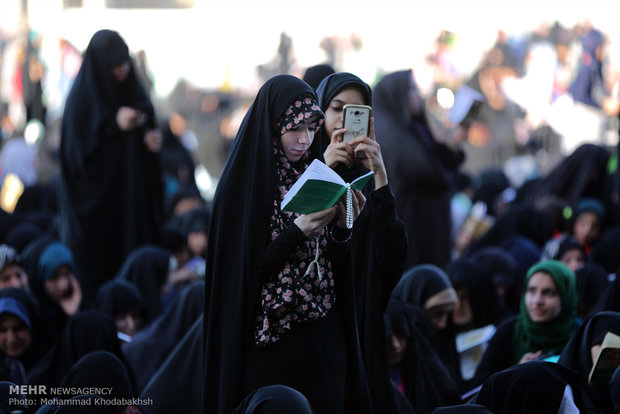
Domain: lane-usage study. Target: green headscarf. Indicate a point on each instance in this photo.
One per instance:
(549, 336)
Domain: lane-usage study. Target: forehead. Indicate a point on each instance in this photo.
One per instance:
(542, 280)
(8, 319)
(11, 267)
(349, 95)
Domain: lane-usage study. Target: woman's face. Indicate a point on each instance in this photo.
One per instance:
(14, 335)
(397, 345)
(297, 140)
(13, 275)
(573, 259)
(587, 227)
(59, 286)
(334, 112)
(462, 314)
(542, 299)
(120, 72)
(439, 315)
(129, 323)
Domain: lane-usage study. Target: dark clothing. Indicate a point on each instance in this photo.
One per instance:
(111, 195)
(118, 297)
(86, 331)
(177, 386)
(577, 356)
(275, 399)
(378, 250)
(147, 268)
(498, 355)
(420, 169)
(486, 306)
(534, 387)
(39, 339)
(239, 234)
(425, 379)
(312, 358)
(150, 347)
(101, 369)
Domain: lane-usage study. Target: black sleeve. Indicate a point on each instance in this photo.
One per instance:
(390, 240)
(498, 355)
(279, 250)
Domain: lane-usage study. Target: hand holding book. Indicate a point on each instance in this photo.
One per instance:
(319, 188)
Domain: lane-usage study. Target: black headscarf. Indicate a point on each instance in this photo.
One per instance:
(378, 251)
(111, 184)
(150, 347)
(118, 297)
(274, 399)
(486, 307)
(238, 234)
(86, 331)
(605, 253)
(423, 282)
(427, 286)
(420, 169)
(329, 87)
(592, 286)
(147, 268)
(100, 369)
(535, 387)
(503, 268)
(577, 356)
(315, 74)
(580, 174)
(428, 382)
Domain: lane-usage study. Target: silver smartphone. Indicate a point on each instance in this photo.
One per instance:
(356, 120)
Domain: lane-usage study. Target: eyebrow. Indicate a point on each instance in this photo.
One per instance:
(338, 100)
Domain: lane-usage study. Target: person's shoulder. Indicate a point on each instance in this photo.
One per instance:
(507, 326)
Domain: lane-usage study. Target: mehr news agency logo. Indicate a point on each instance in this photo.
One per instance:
(36, 395)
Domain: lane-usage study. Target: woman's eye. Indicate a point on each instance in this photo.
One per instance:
(337, 108)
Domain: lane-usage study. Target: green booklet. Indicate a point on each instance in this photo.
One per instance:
(318, 188)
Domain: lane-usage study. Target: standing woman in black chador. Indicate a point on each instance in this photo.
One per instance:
(421, 169)
(379, 241)
(279, 307)
(111, 191)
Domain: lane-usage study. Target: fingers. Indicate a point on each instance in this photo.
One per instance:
(337, 135)
(339, 152)
(371, 128)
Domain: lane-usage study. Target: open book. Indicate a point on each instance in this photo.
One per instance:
(318, 188)
(607, 362)
(470, 346)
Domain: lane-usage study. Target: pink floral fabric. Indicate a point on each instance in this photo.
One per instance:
(303, 108)
(289, 296)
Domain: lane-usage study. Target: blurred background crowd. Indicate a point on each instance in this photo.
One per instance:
(203, 66)
(539, 179)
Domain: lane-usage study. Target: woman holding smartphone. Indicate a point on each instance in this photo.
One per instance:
(378, 242)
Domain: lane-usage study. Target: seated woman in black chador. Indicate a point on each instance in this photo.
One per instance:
(280, 305)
